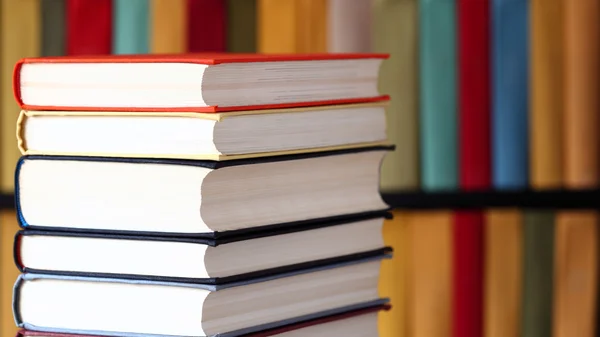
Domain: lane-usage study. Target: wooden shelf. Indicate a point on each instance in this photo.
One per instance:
(550, 199)
(7, 201)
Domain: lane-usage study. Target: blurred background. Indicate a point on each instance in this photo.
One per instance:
(494, 97)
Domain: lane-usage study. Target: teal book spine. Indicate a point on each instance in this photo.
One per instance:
(131, 26)
(438, 90)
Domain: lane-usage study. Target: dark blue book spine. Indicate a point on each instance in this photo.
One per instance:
(510, 80)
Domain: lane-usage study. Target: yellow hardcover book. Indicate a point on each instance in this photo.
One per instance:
(292, 26)
(183, 135)
(8, 271)
(503, 273)
(546, 81)
(19, 37)
(392, 280)
(395, 32)
(430, 274)
(168, 26)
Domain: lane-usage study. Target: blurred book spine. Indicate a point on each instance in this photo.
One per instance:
(395, 31)
(130, 27)
(241, 26)
(206, 26)
(89, 27)
(168, 26)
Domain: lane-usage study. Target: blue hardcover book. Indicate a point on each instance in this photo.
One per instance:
(510, 58)
(130, 26)
(196, 198)
(200, 260)
(438, 90)
(136, 308)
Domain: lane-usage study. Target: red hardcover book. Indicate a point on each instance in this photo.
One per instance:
(207, 26)
(207, 82)
(474, 163)
(266, 333)
(89, 27)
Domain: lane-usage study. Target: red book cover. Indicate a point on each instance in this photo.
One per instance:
(89, 27)
(197, 58)
(207, 25)
(474, 164)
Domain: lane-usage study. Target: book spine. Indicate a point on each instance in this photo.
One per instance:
(503, 273)
(546, 170)
(8, 271)
(241, 26)
(206, 26)
(396, 32)
(130, 27)
(538, 273)
(429, 272)
(575, 274)
(311, 32)
(581, 87)
(467, 285)
(276, 26)
(349, 26)
(89, 27)
(19, 37)
(546, 85)
(394, 273)
(53, 27)
(292, 26)
(168, 26)
(438, 138)
(510, 93)
(576, 240)
(474, 164)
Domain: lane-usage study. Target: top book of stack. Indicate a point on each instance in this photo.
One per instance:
(199, 106)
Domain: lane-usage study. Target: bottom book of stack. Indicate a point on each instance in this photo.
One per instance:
(316, 279)
(355, 323)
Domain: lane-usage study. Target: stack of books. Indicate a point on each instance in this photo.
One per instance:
(200, 195)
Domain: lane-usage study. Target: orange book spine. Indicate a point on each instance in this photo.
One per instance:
(581, 87)
(392, 281)
(8, 271)
(168, 26)
(503, 273)
(292, 26)
(575, 274)
(576, 240)
(430, 275)
(546, 87)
